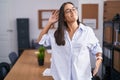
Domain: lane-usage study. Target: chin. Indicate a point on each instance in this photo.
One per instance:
(73, 20)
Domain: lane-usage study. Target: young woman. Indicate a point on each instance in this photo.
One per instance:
(72, 43)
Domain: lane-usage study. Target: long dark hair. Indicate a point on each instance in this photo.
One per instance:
(62, 25)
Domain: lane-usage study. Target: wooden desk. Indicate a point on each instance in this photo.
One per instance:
(27, 68)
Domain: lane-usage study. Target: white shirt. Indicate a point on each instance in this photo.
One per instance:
(72, 61)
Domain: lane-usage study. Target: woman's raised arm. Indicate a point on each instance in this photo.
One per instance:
(53, 19)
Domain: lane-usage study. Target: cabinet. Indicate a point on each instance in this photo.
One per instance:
(111, 8)
(23, 34)
(111, 50)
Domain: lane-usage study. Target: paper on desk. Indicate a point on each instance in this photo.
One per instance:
(47, 72)
(49, 51)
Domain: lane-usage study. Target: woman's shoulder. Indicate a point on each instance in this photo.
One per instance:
(85, 27)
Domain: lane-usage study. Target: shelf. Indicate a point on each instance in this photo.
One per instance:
(106, 61)
(111, 52)
(108, 45)
(114, 74)
(117, 48)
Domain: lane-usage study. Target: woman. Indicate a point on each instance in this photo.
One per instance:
(72, 43)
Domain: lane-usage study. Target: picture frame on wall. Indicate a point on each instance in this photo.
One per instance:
(43, 17)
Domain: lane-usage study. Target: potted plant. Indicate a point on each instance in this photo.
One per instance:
(41, 55)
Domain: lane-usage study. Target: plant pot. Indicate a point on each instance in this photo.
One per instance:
(41, 55)
(41, 62)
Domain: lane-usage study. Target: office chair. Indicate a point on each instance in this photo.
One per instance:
(13, 58)
(4, 69)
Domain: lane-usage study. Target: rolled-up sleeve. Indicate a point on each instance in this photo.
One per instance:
(95, 48)
(45, 40)
(94, 45)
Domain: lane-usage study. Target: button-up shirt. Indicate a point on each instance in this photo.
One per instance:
(72, 61)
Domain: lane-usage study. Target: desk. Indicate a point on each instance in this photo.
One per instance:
(27, 68)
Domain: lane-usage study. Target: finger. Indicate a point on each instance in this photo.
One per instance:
(95, 72)
(56, 12)
(53, 12)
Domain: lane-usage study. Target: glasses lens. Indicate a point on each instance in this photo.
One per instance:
(70, 10)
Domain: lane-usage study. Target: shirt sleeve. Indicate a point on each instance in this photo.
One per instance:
(94, 45)
(45, 40)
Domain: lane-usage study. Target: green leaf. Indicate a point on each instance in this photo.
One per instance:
(41, 54)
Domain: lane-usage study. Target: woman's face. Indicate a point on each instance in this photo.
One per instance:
(70, 13)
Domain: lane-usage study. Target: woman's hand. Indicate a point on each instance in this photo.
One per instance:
(54, 17)
(98, 63)
(95, 71)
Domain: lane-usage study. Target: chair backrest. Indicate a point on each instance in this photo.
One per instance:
(13, 57)
(4, 69)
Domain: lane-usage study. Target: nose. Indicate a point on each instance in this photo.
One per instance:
(71, 10)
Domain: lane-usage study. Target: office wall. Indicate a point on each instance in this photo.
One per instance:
(29, 8)
(24, 9)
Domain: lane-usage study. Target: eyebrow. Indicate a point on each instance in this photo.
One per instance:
(68, 8)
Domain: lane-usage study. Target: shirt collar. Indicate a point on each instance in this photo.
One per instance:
(82, 27)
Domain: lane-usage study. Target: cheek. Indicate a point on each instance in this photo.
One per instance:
(77, 17)
(65, 18)
(76, 14)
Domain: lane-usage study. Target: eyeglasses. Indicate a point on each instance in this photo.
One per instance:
(70, 10)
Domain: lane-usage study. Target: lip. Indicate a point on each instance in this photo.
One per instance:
(72, 15)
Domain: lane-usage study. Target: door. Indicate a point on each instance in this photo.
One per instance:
(5, 31)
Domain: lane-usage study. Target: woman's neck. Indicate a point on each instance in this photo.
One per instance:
(71, 29)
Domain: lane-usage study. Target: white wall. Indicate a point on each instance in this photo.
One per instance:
(29, 9)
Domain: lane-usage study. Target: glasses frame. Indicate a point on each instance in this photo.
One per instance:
(71, 10)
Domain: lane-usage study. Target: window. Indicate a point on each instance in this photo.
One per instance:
(43, 16)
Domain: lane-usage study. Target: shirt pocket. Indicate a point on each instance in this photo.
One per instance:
(79, 48)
